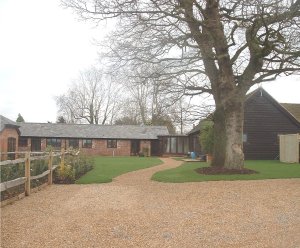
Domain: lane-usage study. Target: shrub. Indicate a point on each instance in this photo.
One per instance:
(65, 174)
(146, 151)
(207, 139)
(9, 173)
(75, 167)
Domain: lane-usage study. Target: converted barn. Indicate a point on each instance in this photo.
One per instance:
(264, 120)
(108, 140)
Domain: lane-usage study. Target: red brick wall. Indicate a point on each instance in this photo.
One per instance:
(4, 135)
(99, 147)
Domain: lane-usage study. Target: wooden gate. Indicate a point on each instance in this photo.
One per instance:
(289, 148)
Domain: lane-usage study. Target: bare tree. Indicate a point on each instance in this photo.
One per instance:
(91, 99)
(150, 98)
(185, 112)
(220, 47)
(129, 113)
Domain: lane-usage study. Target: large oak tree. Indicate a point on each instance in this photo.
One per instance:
(220, 47)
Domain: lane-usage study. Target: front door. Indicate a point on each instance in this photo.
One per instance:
(11, 148)
(35, 144)
(155, 148)
(135, 147)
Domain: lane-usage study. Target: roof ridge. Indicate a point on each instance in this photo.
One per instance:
(88, 124)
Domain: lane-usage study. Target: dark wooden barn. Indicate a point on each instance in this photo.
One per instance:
(264, 120)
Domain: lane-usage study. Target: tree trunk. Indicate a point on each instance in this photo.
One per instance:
(234, 118)
(228, 128)
(219, 138)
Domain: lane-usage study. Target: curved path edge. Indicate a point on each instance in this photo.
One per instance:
(143, 176)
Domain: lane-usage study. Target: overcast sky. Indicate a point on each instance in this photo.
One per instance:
(43, 47)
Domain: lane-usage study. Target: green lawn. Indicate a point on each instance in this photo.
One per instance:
(106, 168)
(267, 170)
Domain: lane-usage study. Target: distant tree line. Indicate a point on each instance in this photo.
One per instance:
(99, 97)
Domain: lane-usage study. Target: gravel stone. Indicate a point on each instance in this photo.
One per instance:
(133, 211)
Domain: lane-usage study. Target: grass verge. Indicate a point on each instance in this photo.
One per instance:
(267, 169)
(106, 168)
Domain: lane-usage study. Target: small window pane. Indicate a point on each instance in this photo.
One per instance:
(173, 144)
(112, 143)
(180, 144)
(74, 143)
(169, 145)
(87, 143)
(11, 147)
(186, 145)
(22, 142)
(54, 142)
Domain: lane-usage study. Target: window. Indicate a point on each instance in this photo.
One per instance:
(54, 142)
(112, 143)
(186, 145)
(11, 147)
(180, 143)
(87, 143)
(173, 144)
(22, 142)
(245, 137)
(74, 143)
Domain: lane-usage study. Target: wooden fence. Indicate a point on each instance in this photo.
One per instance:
(26, 179)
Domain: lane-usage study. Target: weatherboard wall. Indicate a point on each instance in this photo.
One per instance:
(264, 120)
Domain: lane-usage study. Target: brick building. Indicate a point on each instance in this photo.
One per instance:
(9, 138)
(106, 140)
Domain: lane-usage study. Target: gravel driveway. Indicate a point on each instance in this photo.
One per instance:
(133, 211)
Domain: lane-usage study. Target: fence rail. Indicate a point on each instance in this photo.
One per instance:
(13, 183)
(26, 180)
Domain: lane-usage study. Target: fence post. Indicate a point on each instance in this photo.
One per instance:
(27, 174)
(50, 175)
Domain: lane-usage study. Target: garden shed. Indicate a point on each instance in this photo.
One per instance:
(289, 148)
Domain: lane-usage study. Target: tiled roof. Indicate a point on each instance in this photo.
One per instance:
(290, 109)
(293, 108)
(6, 122)
(91, 131)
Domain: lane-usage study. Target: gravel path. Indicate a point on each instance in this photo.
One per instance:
(133, 211)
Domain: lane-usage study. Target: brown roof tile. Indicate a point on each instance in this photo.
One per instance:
(293, 108)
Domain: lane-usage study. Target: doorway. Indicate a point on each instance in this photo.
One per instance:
(135, 147)
(155, 148)
(35, 144)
